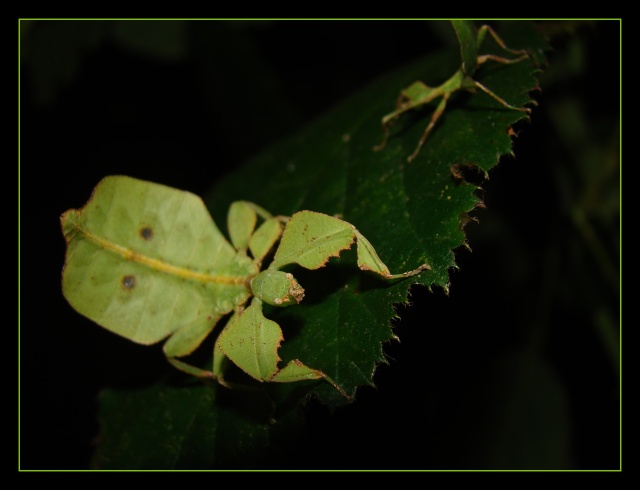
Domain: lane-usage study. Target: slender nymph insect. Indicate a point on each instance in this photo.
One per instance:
(418, 93)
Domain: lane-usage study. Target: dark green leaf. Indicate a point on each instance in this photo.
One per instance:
(192, 427)
(411, 213)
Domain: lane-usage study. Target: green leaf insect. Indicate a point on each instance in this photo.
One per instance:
(147, 262)
(418, 93)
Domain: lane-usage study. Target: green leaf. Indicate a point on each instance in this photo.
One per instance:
(191, 427)
(411, 213)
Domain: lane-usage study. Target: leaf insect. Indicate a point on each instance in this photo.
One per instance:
(418, 93)
(147, 262)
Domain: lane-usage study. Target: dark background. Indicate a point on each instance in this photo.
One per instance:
(183, 103)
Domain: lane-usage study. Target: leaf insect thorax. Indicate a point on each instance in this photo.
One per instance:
(277, 288)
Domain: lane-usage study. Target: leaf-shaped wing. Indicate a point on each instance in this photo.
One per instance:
(144, 259)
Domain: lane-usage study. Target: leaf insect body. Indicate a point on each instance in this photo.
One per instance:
(418, 93)
(147, 262)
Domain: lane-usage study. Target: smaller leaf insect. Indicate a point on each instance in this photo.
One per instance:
(147, 262)
(418, 93)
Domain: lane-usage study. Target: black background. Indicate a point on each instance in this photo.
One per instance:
(90, 108)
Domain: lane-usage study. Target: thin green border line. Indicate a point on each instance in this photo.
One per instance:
(338, 471)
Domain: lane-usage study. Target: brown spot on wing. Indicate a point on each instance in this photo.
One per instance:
(146, 232)
(128, 282)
